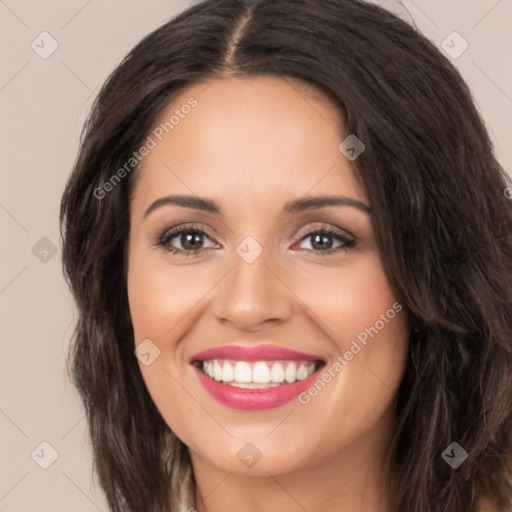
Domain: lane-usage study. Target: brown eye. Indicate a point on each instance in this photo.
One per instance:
(323, 239)
(183, 240)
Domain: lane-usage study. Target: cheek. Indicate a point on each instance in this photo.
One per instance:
(165, 301)
(349, 299)
(159, 295)
(367, 329)
(160, 298)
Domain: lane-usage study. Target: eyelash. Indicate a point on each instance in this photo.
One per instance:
(164, 239)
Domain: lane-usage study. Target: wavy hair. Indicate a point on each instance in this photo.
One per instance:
(442, 220)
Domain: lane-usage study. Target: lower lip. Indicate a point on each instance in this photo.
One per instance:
(254, 399)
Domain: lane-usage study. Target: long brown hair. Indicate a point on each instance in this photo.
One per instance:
(441, 217)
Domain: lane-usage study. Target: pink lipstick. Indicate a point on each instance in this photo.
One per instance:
(255, 377)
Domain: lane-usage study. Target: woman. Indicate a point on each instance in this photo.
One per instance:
(290, 246)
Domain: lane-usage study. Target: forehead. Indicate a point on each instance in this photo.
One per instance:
(251, 137)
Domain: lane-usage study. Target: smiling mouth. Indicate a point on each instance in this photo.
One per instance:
(257, 374)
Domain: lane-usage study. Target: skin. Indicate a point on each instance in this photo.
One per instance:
(252, 145)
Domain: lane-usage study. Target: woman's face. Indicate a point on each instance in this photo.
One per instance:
(261, 282)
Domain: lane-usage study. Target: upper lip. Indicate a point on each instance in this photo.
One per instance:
(265, 352)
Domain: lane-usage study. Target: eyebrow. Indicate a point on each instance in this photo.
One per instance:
(198, 203)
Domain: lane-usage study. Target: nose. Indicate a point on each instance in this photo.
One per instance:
(253, 296)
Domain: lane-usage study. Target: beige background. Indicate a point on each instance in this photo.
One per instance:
(43, 104)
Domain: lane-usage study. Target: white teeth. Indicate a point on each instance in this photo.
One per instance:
(259, 374)
(228, 373)
(217, 370)
(302, 372)
(277, 373)
(243, 372)
(290, 374)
